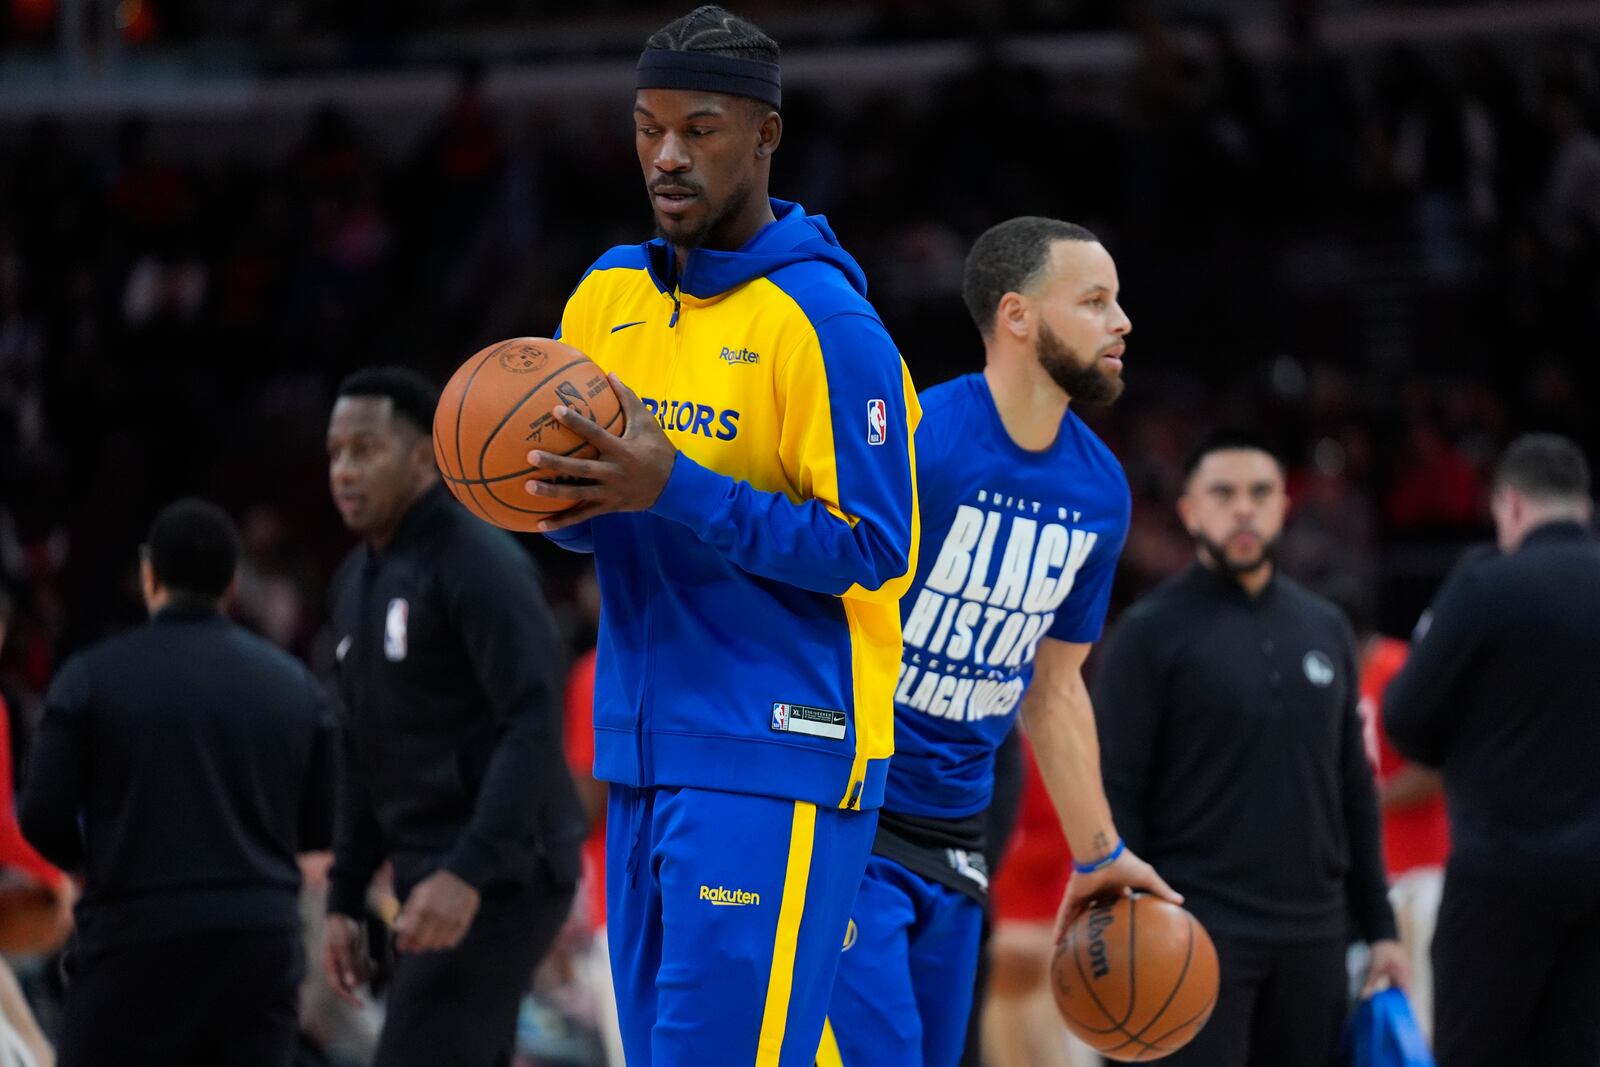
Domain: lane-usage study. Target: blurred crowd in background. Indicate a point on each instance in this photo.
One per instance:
(1388, 259)
(284, 33)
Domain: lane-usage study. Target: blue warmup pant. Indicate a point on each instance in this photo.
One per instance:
(904, 988)
(725, 913)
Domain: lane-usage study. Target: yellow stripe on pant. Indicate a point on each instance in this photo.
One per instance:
(775, 1017)
(828, 1051)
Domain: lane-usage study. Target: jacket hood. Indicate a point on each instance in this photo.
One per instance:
(792, 237)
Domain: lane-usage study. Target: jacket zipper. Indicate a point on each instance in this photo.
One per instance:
(677, 292)
(646, 774)
(641, 739)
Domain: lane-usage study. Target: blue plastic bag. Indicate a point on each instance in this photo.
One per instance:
(1384, 1033)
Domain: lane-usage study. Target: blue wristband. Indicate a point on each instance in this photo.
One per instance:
(1103, 862)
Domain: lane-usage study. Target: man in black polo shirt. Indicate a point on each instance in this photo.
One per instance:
(1233, 760)
(450, 671)
(181, 767)
(1502, 691)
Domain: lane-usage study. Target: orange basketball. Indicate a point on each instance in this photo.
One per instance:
(496, 409)
(1136, 978)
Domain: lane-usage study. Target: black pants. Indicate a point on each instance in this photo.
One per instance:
(1277, 1006)
(1516, 974)
(197, 1000)
(459, 1008)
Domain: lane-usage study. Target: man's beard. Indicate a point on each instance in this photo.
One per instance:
(691, 239)
(697, 237)
(1081, 379)
(1218, 554)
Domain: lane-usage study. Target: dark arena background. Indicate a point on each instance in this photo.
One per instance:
(1368, 230)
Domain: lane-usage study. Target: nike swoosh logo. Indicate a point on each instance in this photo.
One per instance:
(625, 325)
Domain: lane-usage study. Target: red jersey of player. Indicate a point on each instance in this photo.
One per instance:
(1416, 832)
(35, 899)
(580, 757)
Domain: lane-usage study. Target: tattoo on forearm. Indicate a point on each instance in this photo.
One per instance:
(1102, 843)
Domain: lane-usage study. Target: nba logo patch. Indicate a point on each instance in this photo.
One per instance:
(394, 630)
(813, 722)
(877, 422)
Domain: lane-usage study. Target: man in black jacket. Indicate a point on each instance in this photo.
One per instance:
(450, 672)
(181, 768)
(1502, 691)
(1233, 760)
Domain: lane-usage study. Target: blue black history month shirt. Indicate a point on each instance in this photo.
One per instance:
(1016, 546)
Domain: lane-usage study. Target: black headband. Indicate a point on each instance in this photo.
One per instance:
(667, 68)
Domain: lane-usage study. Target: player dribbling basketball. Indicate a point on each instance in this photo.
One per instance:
(1024, 512)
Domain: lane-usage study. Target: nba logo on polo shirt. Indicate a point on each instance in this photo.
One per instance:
(877, 422)
(394, 630)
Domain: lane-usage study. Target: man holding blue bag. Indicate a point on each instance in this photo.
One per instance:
(1384, 1033)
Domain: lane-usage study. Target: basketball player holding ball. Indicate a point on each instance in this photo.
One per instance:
(753, 529)
(1024, 513)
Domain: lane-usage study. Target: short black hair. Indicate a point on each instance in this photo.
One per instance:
(1227, 439)
(1545, 466)
(1009, 258)
(413, 396)
(709, 28)
(194, 548)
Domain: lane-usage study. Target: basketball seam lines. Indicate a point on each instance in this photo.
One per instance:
(1133, 961)
(1152, 1043)
(1209, 1008)
(461, 406)
(1093, 993)
(438, 451)
(1118, 1027)
(526, 470)
(488, 486)
(1188, 955)
(1168, 1033)
(512, 410)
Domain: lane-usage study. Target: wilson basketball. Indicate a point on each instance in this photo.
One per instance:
(497, 408)
(1136, 978)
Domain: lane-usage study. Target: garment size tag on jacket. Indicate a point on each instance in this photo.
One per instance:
(799, 719)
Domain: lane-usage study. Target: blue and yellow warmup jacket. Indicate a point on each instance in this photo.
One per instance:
(750, 625)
